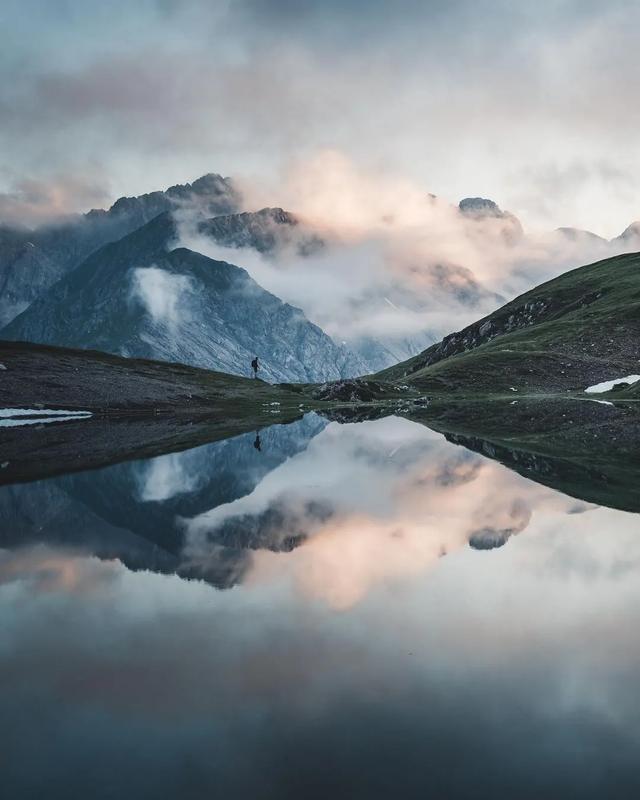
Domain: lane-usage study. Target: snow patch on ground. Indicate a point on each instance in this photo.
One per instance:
(602, 402)
(16, 422)
(42, 412)
(606, 386)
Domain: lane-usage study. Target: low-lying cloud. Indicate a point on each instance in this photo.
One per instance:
(30, 202)
(398, 261)
(164, 295)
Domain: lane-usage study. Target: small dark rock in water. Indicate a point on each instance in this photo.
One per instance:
(350, 391)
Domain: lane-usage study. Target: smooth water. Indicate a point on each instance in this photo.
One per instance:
(334, 611)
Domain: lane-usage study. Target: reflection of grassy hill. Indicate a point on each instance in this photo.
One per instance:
(164, 407)
(583, 449)
(566, 334)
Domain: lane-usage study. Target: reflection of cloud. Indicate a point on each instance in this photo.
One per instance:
(397, 497)
(165, 477)
(534, 646)
(52, 571)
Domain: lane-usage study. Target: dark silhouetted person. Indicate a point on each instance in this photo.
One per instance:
(254, 367)
(258, 443)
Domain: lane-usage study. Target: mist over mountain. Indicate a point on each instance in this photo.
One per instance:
(139, 297)
(32, 260)
(268, 231)
(384, 271)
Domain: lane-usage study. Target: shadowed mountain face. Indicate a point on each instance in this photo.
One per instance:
(137, 297)
(133, 511)
(31, 261)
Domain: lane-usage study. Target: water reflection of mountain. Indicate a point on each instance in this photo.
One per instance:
(132, 511)
(139, 511)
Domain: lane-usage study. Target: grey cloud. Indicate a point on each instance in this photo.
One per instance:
(34, 202)
(461, 95)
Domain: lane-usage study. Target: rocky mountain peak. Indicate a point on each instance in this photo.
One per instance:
(632, 231)
(480, 207)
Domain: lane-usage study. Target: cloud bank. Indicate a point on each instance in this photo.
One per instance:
(533, 105)
(399, 263)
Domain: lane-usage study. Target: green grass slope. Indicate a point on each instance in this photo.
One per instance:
(35, 375)
(566, 334)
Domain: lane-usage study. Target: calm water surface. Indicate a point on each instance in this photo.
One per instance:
(347, 611)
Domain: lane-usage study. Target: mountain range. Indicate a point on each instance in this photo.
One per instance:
(32, 260)
(116, 281)
(138, 297)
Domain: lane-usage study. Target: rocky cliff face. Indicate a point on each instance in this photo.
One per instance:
(266, 231)
(135, 297)
(31, 261)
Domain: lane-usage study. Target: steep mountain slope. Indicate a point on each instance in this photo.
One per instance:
(31, 261)
(566, 334)
(136, 298)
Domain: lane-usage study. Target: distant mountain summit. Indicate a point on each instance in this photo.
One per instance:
(31, 261)
(139, 297)
(579, 235)
(630, 236)
(481, 209)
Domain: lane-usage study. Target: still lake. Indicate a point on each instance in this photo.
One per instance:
(320, 610)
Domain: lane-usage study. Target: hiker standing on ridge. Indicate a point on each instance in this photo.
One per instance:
(254, 367)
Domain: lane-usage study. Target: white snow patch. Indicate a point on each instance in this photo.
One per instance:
(2, 366)
(602, 402)
(606, 386)
(16, 422)
(42, 412)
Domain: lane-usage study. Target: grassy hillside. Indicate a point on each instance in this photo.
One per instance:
(35, 374)
(564, 335)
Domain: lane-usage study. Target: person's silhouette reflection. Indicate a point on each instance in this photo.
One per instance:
(258, 443)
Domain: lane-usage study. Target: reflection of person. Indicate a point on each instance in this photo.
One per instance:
(254, 367)
(258, 443)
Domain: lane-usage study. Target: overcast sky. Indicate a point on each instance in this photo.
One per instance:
(531, 104)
